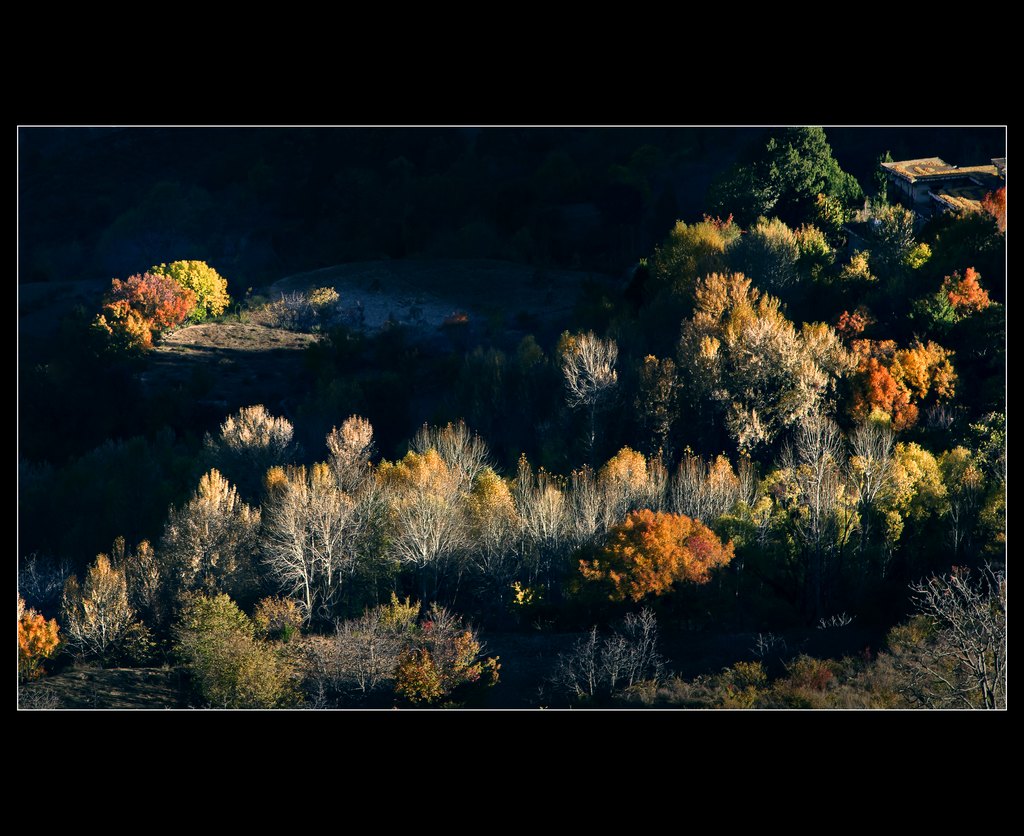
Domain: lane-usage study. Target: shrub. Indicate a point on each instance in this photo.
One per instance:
(138, 310)
(207, 285)
(230, 667)
(445, 656)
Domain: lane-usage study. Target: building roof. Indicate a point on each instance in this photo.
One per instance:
(960, 198)
(917, 169)
(935, 168)
(1000, 164)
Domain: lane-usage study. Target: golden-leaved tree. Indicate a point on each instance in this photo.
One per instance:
(208, 543)
(744, 361)
(38, 639)
(650, 552)
(210, 288)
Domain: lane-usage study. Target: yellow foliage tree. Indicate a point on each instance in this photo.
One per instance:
(210, 288)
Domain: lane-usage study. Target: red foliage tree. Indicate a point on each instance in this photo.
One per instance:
(138, 309)
(852, 325)
(995, 204)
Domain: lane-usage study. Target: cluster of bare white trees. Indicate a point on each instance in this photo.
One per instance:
(603, 667)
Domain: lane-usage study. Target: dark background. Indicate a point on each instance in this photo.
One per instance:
(261, 203)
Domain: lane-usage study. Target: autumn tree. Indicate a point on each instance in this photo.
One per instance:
(857, 271)
(995, 205)
(463, 452)
(896, 380)
(277, 619)
(852, 325)
(965, 485)
(445, 655)
(690, 252)
(494, 527)
(138, 310)
(209, 288)
(627, 481)
(913, 495)
(208, 543)
(230, 667)
(588, 366)
(247, 444)
(145, 576)
(746, 362)
(38, 640)
(97, 618)
(651, 551)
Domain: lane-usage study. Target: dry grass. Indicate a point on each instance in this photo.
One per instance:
(88, 687)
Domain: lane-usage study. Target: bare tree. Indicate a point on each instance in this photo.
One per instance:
(604, 667)
(351, 447)
(586, 505)
(871, 466)
(705, 490)
(362, 655)
(308, 535)
(588, 365)
(464, 452)
(427, 510)
(543, 508)
(41, 581)
(823, 521)
(96, 615)
(966, 663)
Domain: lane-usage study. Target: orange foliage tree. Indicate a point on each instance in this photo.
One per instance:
(891, 379)
(966, 295)
(138, 309)
(652, 550)
(37, 640)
